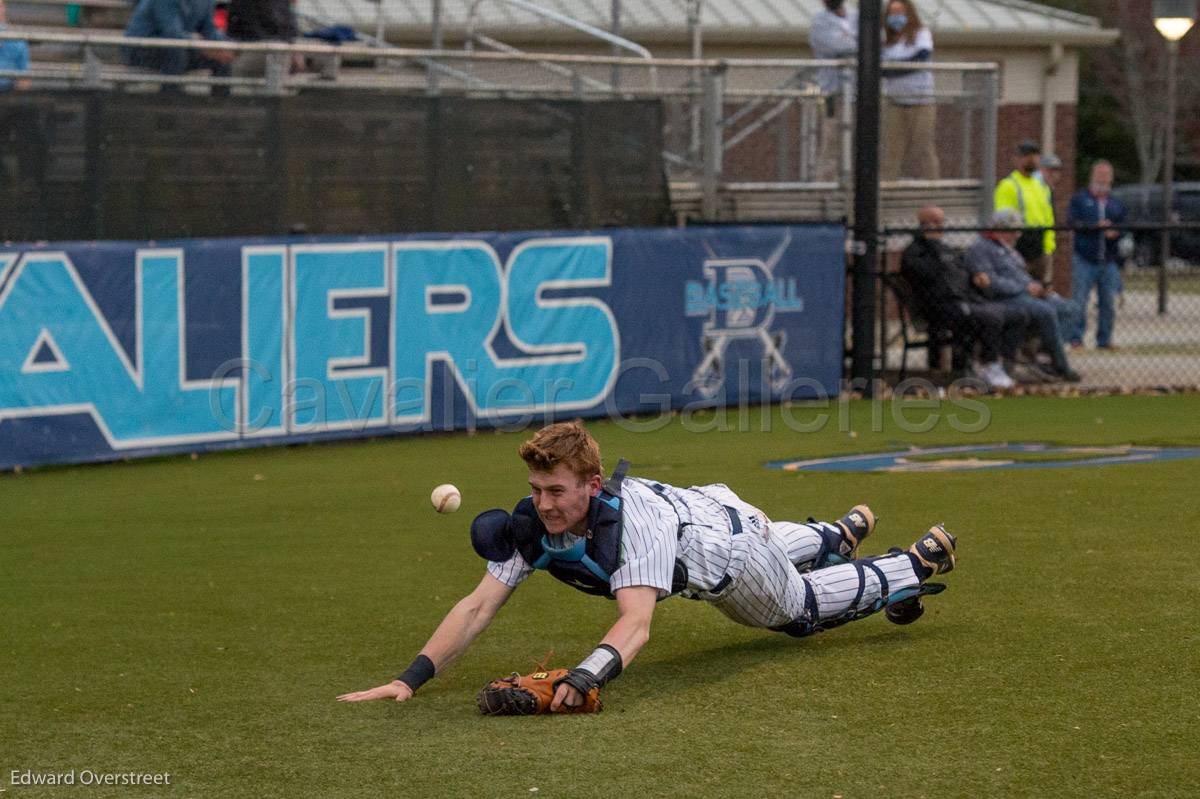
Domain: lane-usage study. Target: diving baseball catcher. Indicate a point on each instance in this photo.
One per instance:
(639, 541)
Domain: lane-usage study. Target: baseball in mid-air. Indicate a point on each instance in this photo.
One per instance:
(445, 498)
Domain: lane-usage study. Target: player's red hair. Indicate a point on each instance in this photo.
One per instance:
(563, 443)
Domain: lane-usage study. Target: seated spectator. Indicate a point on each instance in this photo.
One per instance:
(14, 55)
(262, 21)
(998, 272)
(944, 296)
(177, 19)
(910, 113)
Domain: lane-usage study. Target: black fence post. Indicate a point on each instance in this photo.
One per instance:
(866, 196)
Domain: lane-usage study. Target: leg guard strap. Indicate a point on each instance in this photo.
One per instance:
(830, 552)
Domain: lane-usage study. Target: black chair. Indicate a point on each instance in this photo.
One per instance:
(915, 330)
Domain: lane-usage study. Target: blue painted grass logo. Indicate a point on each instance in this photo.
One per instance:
(979, 457)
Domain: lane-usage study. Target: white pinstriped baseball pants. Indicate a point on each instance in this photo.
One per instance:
(767, 591)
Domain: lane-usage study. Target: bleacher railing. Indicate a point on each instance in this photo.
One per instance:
(742, 136)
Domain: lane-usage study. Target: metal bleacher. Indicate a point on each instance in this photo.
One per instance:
(739, 134)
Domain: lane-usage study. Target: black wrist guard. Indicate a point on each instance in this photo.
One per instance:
(597, 669)
(419, 672)
(580, 680)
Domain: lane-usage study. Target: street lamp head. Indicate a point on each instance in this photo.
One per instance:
(1173, 28)
(1174, 18)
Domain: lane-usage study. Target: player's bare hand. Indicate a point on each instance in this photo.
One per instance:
(566, 695)
(395, 690)
(981, 280)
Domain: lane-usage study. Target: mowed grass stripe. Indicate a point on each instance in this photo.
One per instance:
(184, 616)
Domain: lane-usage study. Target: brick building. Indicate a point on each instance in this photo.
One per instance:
(1036, 47)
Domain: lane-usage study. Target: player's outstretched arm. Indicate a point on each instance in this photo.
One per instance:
(462, 624)
(624, 640)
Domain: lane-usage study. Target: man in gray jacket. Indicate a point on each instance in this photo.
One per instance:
(834, 34)
(998, 272)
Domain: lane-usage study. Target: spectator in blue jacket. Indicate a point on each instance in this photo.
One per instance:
(176, 19)
(1095, 256)
(999, 274)
(14, 55)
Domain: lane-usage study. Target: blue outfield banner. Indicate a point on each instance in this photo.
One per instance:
(125, 349)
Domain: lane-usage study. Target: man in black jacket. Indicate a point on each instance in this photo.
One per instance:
(945, 295)
(258, 21)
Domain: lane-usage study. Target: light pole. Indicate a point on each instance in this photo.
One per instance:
(1173, 18)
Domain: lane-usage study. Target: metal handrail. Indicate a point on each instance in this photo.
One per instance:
(557, 69)
(119, 40)
(562, 19)
(473, 36)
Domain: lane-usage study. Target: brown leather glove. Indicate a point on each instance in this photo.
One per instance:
(530, 695)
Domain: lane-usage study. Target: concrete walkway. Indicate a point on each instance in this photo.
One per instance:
(1152, 350)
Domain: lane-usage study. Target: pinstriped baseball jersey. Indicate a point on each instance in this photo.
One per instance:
(648, 543)
(749, 574)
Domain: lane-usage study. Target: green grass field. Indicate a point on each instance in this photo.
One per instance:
(198, 617)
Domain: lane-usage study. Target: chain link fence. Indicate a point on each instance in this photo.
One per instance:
(741, 140)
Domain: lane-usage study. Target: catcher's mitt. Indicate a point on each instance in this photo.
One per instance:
(529, 695)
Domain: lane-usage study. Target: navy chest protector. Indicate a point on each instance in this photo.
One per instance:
(587, 565)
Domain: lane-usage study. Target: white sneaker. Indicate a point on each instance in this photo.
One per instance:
(996, 377)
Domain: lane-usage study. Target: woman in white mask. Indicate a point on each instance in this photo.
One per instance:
(909, 115)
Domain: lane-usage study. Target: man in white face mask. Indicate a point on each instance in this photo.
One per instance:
(1094, 257)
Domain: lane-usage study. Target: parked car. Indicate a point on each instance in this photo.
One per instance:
(1145, 203)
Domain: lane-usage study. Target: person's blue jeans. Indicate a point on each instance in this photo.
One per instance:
(1107, 281)
(1043, 317)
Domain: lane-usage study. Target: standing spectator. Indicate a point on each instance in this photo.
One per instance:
(14, 55)
(177, 19)
(910, 115)
(834, 34)
(1049, 173)
(1095, 255)
(944, 296)
(1024, 193)
(258, 21)
(998, 274)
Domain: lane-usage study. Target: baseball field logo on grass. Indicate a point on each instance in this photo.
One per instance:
(976, 457)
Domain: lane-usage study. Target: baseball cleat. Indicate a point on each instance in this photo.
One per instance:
(857, 524)
(935, 549)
